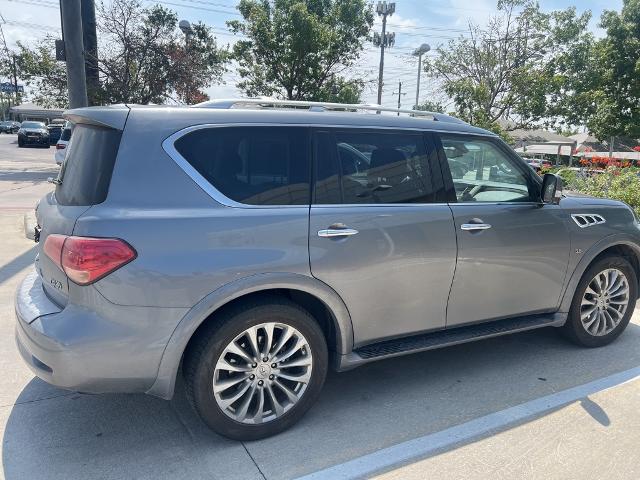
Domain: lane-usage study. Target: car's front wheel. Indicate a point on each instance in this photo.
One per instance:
(256, 370)
(603, 302)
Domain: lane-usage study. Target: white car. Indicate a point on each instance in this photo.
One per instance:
(63, 142)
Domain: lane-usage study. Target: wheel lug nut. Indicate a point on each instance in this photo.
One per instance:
(254, 365)
(252, 377)
(271, 377)
(260, 383)
(273, 365)
(265, 359)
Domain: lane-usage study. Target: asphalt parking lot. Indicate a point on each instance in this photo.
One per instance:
(524, 406)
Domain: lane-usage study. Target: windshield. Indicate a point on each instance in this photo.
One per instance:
(32, 125)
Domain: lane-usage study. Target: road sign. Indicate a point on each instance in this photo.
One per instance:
(8, 87)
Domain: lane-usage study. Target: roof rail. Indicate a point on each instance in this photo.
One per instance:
(265, 102)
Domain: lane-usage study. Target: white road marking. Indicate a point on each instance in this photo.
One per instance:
(421, 447)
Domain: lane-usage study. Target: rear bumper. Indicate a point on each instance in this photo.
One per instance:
(79, 349)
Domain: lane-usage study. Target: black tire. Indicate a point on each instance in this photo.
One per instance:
(200, 360)
(574, 328)
(20, 143)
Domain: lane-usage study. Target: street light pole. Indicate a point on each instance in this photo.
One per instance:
(186, 28)
(424, 48)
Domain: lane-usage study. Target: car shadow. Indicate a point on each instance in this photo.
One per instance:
(361, 411)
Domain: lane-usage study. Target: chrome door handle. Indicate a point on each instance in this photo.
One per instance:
(337, 232)
(474, 226)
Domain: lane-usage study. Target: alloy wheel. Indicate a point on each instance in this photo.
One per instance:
(604, 302)
(262, 373)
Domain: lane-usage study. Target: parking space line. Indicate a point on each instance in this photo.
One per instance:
(421, 447)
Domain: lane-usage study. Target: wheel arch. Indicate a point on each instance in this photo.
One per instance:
(322, 302)
(620, 245)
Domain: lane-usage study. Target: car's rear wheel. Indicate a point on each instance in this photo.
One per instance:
(20, 143)
(603, 302)
(256, 370)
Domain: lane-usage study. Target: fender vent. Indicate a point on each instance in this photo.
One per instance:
(584, 220)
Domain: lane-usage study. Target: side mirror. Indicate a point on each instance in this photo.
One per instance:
(551, 189)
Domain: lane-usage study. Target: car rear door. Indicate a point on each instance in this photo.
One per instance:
(83, 181)
(513, 251)
(377, 235)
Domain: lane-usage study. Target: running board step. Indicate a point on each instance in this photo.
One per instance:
(454, 336)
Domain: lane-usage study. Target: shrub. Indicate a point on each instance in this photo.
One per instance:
(617, 183)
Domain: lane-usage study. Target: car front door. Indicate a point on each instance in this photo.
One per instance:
(377, 235)
(513, 251)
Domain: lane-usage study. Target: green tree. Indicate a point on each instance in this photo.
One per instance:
(429, 106)
(507, 70)
(298, 49)
(38, 69)
(143, 58)
(614, 90)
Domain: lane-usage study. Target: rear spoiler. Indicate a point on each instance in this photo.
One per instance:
(112, 116)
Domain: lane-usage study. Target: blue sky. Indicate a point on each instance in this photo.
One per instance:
(415, 22)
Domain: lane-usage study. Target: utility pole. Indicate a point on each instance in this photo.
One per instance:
(90, 41)
(15, 77)
(383, 40)
(424, 48)
(14, 70)
(399, 92)
(74, 51)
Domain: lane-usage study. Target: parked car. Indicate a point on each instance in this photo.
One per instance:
(9, 126)
(33, 133)
(55, 131)
(538, 164)
(258, 249)
(63, 142)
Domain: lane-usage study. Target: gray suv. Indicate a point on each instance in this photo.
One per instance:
(251, 245)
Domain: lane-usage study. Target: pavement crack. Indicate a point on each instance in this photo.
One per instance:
(253, 460)
(35, 400)
(182, 422)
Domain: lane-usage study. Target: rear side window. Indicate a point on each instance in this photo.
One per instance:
(252, 165)
(66, 134)
(88, 165)
(371, 167)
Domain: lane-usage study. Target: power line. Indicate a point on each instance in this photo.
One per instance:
(38, 3)
(215, 10)
(34, 26)
(437, 29)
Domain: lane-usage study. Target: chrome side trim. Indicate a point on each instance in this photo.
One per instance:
(584, 220)
(470, 227)
(337, 232)
(168, 145)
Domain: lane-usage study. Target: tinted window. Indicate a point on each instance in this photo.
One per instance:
(33, 125)
(482, 172)
(371, 167)
(88, 165)
(252, 165)
(66, 134)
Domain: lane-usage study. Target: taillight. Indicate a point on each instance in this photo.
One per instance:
(85, 259)
(53, 248)
(60, 146)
